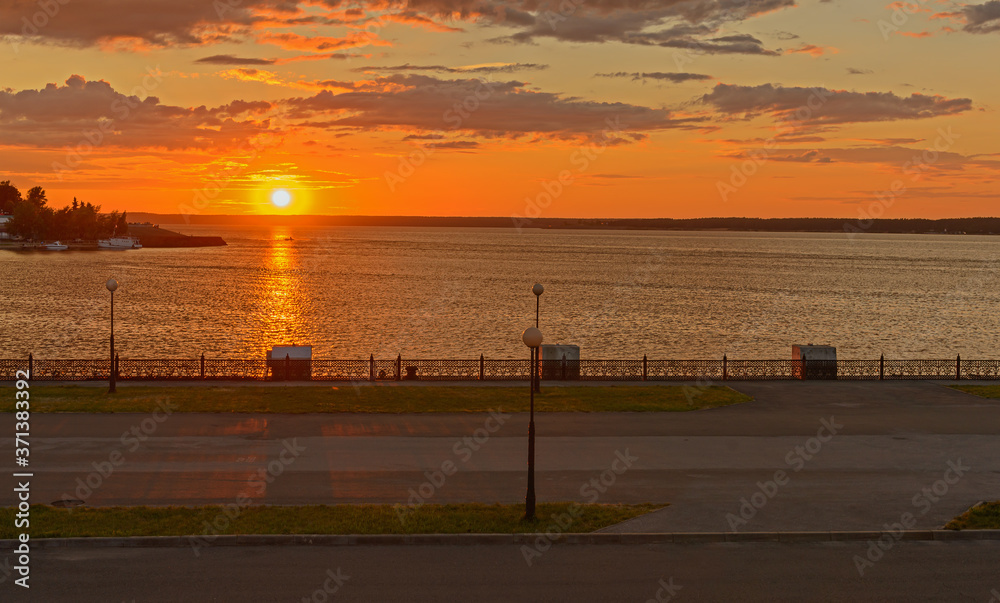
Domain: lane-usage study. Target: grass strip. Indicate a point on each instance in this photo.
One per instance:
(983, 391)
(347, 399)
(471, 518)
(981, 517)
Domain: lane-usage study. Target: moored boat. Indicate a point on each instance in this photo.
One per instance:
(56, 246)
(119, 243)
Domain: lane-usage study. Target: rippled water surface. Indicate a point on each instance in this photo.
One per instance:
(456, 293)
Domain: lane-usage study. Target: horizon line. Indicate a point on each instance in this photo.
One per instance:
(535, 219)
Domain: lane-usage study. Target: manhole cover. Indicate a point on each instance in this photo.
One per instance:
(67, 503)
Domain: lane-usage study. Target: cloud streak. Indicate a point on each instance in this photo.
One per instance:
(472, 69)
(821, 106)
(675, 78)
(228, 59)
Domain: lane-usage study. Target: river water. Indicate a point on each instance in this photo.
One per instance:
(457, 293)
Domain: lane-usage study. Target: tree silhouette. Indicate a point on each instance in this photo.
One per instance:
(34, 220)
(36, 196)
(9, 197)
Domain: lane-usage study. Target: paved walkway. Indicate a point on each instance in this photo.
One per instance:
(854, 455)
(750, 572)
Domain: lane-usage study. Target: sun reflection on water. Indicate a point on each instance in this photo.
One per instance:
(279, 294)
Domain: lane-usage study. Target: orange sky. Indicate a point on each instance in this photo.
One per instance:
(597, 108)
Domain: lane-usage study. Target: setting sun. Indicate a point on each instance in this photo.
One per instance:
(281, 198)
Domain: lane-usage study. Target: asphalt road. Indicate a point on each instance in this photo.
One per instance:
(853, 456)
(908, 571)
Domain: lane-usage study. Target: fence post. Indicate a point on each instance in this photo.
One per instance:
(958, 367)
(482, 367)
(645, 368)
(881, 367)
(115, 367)
(564, 367)
(399, 367)
(31, 365)
(288, 367)
(371, 367)
(725, 367)
(203, 365)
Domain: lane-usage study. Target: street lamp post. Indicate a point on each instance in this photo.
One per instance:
(532, 338)
(537, 289)
(112, 284)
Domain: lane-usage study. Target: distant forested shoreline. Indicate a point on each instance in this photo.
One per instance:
(984, 225)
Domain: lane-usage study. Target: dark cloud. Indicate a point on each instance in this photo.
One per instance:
(657, 75)
(785, 35)
(891, 142)
(228, 59)
(492, 109)
(783, 138)
(812, 156)
(507, 68)
(699, 25)
(898, 156)
(589, 26)
(455, 145)
(820, 106)
(854, 71)
(151, 22)
(515, 10)
(424, 137)
(791, 139)
(982, 18)
(162, 23)
(700, 11)
(894, 156)
(732, 44)
(238, 107)
(92, 113)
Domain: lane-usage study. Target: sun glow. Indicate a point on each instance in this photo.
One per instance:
(281, 198)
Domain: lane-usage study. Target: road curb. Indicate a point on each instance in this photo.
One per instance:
(498, 539)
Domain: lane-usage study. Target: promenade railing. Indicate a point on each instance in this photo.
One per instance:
(484, 369)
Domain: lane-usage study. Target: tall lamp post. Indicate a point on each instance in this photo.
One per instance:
(537, 289)
(112, 284)
(532, 338)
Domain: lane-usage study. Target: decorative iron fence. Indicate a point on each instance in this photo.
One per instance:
(483, 369)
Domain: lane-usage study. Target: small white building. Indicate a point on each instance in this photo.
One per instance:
(4, 218)
(553, 367)
(814, 361)
(290, 362)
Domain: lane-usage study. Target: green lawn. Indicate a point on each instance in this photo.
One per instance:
(345, 398)
(50, 522)
(983, 517)
(985, 391)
